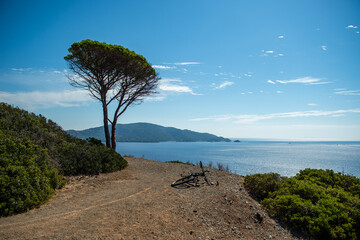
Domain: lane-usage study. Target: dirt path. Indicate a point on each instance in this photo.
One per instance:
(138, 203)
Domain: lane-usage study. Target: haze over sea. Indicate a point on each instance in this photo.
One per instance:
(249, 157)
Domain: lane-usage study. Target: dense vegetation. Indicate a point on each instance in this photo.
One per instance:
(146, 132)
(320, 204)
(33, 150)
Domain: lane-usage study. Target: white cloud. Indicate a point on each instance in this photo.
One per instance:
(255, 118)
(20, 69)
(154, 98)
(36, 99)
(351, 26)
(58, 72)
(281, 36)
(269, 51)
(304, 80)
(312, 104)
(168, 85)
(338, 115)
(279, 92)
(280, 55)
(162, 67)
(269, 81)
(224, 85)
(323, 47)
(187, 63)
(347, 92)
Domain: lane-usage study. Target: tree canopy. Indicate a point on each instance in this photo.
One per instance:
(111, 74)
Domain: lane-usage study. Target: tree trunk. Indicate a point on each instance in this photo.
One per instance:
(113, 137)
(106, 124)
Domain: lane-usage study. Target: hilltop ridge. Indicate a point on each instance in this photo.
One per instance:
(148, 132)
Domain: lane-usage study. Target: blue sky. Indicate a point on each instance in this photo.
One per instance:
(242, 69)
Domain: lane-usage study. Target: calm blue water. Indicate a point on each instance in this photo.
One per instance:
(256, 157)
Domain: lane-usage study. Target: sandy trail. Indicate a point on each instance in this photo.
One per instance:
(139, 203)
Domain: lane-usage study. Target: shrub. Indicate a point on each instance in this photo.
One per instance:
(70, 155)
(33, 150)
(222, 167)
(318, 203)
(180, 162)
(89, 159)
(261, 185)
(27, 179)
(94, 141)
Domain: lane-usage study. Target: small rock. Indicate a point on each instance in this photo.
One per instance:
(259, 218)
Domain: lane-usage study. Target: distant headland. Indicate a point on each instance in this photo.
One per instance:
(147, 132)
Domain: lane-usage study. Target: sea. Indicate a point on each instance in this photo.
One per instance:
(250, 157)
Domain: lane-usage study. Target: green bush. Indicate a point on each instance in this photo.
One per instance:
(33, 150)
(260, 185)
(70, 155)
(321, 204)
(27, 179)
(89, 159)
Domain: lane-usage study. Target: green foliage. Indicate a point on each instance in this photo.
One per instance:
(107, 58)
(72, 156)
(321, 204)
(33, 150)
(94, 141)
(179, 162)
(260, 185)
(89, 159)
(27, 179)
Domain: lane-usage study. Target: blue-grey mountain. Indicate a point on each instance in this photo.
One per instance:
(146, 132)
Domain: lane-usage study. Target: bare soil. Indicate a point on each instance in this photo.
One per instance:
(139, 203)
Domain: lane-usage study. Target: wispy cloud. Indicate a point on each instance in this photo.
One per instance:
(255, 118)
(20, 69)
(267, 52)
(224, 85)
(163, 67)
(347, 92)
(154, 98)
(269, 81)
(174, 85)
(281, 36)
(304, 80)
(312, 104)
(271, 53)
(352, 26)
(187, 63)
(323, 47)
(38, 100)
